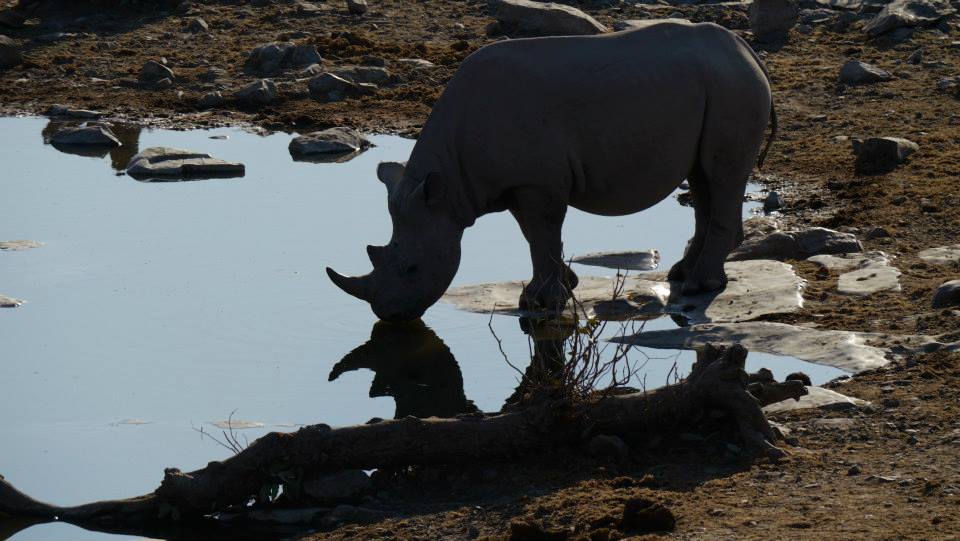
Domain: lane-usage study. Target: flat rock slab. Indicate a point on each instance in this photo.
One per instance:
(908, 13)
(165, 163)
(820, 398)
(543, 18)
(9, 302)
(755, 288)
(871, 272)
(783, 245)
(630, 260)
(331, 144)
(14, 245)
(941, 255)
(841, 349)
(236, 424)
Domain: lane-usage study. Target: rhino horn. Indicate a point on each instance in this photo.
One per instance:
(375, 253)
(358, 286)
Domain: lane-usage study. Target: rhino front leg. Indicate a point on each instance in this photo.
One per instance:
(541, 220)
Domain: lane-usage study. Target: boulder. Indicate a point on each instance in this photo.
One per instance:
(337, 487)
(881, 154)
(333, 141)
(771, 20)
(270, 59)
(172, 163)
(854, 72)
(947, 295)
(363, 74)
(782, 245)
(328, 87)
(773, 201)
(261, 92)
(85, 135)
(10, 53)
(155, 75)
(357, 7)
(542, 18)
(908, 13)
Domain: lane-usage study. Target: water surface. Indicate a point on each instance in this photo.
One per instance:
(156, 308)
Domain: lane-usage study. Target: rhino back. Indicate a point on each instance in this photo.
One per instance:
(590, 118)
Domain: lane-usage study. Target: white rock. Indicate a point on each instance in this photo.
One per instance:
(871, 277)
(14, 245)
(9, 302)
(818, 397)
(941, 255)
(643, 260)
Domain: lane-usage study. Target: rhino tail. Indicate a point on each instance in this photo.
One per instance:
(773, 135)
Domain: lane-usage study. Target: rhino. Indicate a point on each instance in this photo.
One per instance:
(608, 124)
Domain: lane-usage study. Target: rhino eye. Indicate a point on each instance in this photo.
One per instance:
(411, 269)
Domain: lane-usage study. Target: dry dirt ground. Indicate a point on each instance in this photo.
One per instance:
(888, 471)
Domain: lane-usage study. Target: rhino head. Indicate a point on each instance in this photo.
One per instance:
(413, 271)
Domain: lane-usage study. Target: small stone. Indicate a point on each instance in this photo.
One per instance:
(197, 25)
(328, 87)
(877, 233)
(608, 448)
(912, 440)
(64, 111)
(890, 403)
(261, 92)
(915, 57)
(336, 141)
(772, 202)
(881, 154)
(10, 53)
(85, 135)
(210, 100)
(363, 74)
(643, 515)
(855, 72)
(947, 295)
(357, 7)
(854, 470)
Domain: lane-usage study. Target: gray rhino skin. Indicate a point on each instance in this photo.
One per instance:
(608, 124)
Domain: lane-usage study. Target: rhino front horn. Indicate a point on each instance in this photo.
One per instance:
(354, 285)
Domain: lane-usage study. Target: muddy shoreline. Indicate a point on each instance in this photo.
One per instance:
(883, 471)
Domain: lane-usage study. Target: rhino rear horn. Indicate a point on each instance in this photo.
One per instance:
(390, 173)
(375, 253)
(358, 286)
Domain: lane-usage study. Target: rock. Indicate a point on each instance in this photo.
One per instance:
(941, 255)
(333, 141)
(328, 87)
(772, 202)
(755, 288)
(947, 295)
(85, 135)
(881, 154)
(261, 92)
(782, 245)
(820, 398)
(644, 260)
(542, 18)
(363, 74)
(337, 487)
(210, 100)
(855, 72)
(172, 163)
(771, 20)
(642, 515)
(312, 70)
(357, 7)
(631, 24)
(9, 302)
(908, 13)
(841, 349)
(155, 75)
(877, 233)
(213, 74)
(270, 59)
(415, 62)
(309, 8)
(838, 423)
(197, 25)
(67, 112)
(870, 277)
(948, 84)
(854, 470)
(915, 57)
(849, 261)
(608, 448)
(757, 227)
(16, 245)
(799, 376)
(10, 53)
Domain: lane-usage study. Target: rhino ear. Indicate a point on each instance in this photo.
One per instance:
(431, 191)
(390, 173)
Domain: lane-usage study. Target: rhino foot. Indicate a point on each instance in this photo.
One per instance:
(694, 286)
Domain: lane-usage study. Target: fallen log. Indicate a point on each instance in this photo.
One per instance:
(716, 381)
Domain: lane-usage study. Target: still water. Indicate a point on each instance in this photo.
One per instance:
(154, 309)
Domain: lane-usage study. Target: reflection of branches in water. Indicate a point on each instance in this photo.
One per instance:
(230, 440)
(570, 355)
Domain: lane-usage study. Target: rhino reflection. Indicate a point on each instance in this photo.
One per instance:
(412, 365)
(549, 346)
(128, 134)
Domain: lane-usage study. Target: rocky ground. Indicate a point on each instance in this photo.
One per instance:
(888, 470)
